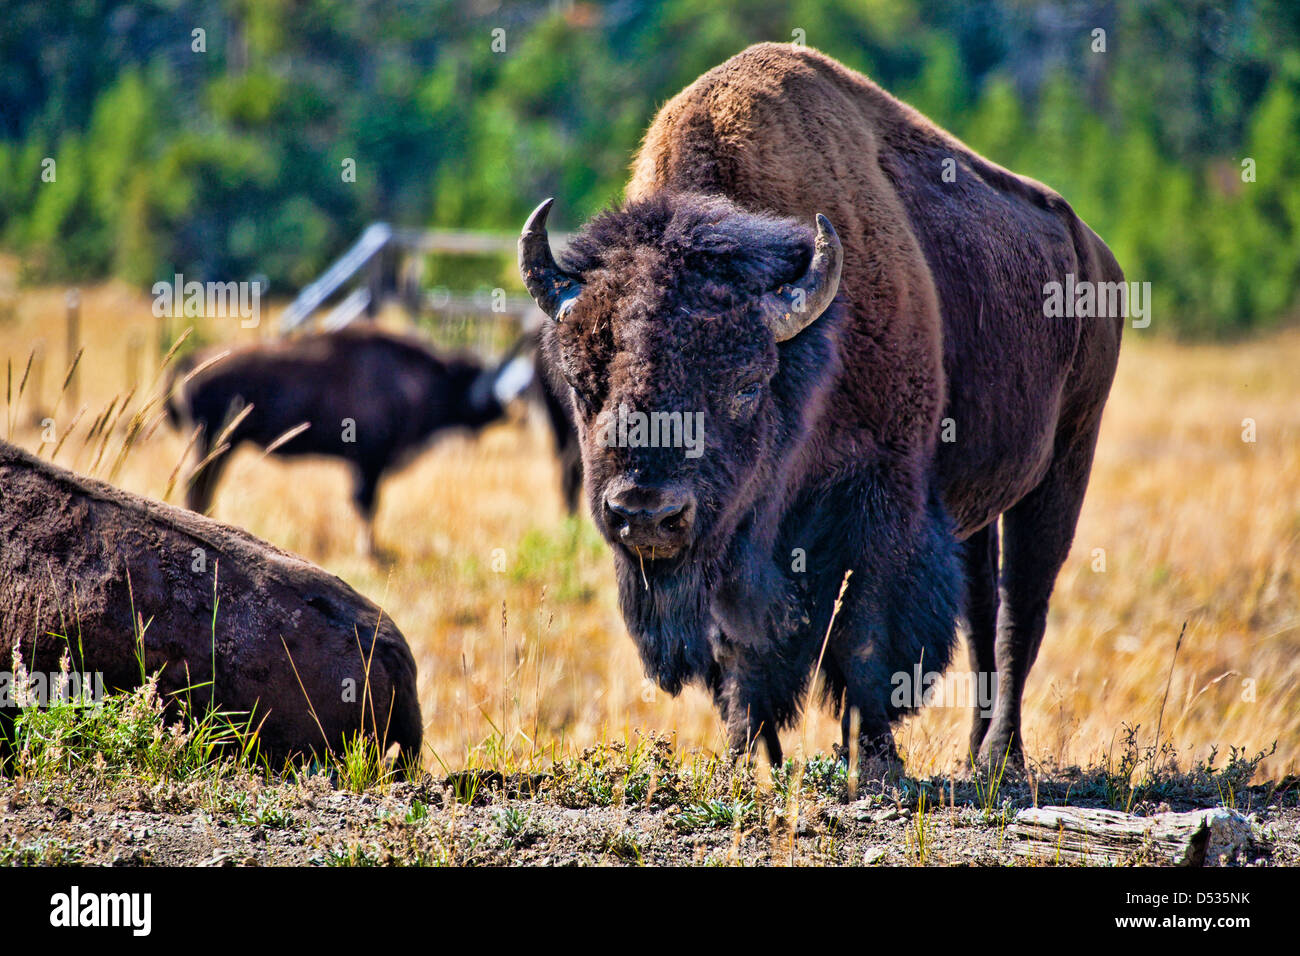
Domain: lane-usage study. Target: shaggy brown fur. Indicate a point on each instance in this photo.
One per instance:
(790, 131)
(940, 316)
(84, 567)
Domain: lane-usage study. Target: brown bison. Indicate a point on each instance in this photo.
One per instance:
(875, 396)
(101, 574)
(367, 396)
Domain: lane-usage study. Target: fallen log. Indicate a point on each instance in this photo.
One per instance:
(105, 576)
(1110, 838)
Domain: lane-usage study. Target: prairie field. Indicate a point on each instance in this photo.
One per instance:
(1192, 520)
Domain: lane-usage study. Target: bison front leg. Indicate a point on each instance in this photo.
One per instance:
(896, 626)
(878, 758)
(738, 694)
(571, 476)
(877, 755)
(744, 732)
(203, 484)
(364, 494)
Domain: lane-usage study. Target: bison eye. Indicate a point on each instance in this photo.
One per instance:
(746, 396)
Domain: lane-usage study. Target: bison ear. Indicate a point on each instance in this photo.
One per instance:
(791, 308)
(551, 287)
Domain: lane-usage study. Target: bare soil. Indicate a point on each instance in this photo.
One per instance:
(569, 817)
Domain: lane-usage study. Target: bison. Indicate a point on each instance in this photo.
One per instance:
(126, 586)
(554, 396)
(362, 394)
(876, 395)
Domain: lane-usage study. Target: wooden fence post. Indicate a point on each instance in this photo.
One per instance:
(376, 282)
(73, 300)
(134, 351)
(36, 385)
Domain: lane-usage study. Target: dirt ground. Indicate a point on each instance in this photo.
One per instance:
(583, 813)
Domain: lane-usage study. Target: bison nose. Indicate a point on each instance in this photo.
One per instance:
(657, 517)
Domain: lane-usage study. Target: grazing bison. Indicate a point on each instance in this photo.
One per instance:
(101, 574)
(875, 395)
(361, 394)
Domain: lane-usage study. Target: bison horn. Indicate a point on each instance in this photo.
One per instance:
(790, 309)
(550, 286)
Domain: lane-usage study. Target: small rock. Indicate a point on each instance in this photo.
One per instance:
(873, 855)
(861, 810)
(134, 858)
(1230, 836)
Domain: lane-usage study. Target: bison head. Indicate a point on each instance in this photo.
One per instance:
(687, 330)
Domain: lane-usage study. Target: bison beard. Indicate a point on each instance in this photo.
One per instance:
(707, 290)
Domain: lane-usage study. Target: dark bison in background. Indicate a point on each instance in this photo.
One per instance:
(365, 395)
(99, 574)
(554, 394)
(876, 395)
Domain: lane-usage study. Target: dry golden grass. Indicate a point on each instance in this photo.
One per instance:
(1197, 526)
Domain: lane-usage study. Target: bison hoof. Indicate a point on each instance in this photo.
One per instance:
(739, 755)
(999, 756)
(878, 760)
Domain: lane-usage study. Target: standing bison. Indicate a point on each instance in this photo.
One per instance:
(364, 395)
(875, 396)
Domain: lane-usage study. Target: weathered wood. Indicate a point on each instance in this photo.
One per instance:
(381, 240)
(1111, 838)
(466, 242)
